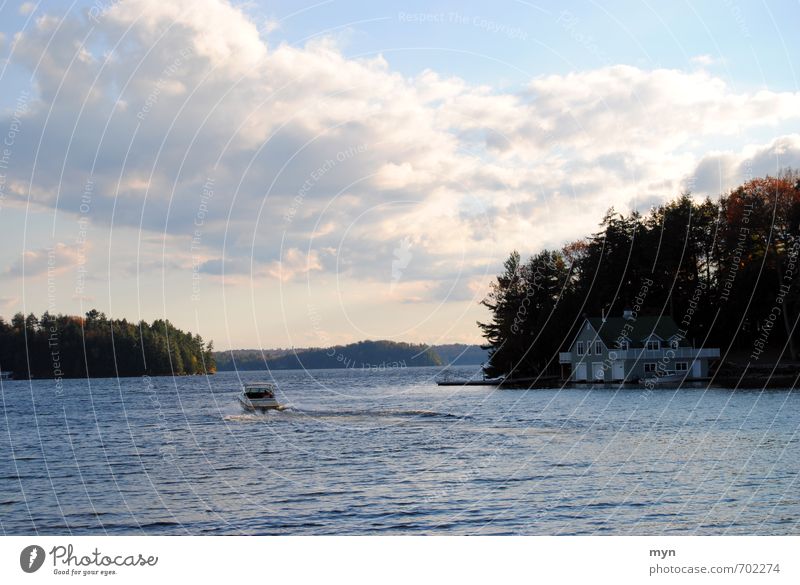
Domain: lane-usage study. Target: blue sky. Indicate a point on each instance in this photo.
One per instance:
(754, 43)
(370, 165)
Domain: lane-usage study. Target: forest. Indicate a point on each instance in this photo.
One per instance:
(64, 346)
(726, 270)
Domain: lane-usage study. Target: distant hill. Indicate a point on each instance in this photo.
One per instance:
(361, 355)
(461, 354)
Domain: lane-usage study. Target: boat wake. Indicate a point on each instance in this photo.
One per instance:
(257, 415)
(243, 418)
(365, 413)
(380, 413)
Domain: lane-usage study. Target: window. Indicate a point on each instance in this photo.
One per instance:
(653, 344)
(579, 348)
(681, 366)
(674, 344)
(650, 367)
(624, 345)
(598, 348)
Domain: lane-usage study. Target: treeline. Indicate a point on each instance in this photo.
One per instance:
(55, 346)
(725, 270)
(361, 355)
(385, 352)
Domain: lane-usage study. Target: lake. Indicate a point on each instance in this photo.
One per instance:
(389, 452)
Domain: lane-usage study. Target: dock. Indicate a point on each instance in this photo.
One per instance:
(493, 382)
(533, 382)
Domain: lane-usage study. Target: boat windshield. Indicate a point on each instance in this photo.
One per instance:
(258, 393)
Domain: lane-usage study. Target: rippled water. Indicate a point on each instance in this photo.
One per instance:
(390, 452)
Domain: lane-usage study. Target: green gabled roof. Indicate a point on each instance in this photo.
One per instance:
(636, 330)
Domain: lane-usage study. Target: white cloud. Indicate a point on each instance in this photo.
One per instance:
(269, 25)
(704, 60)
(56, 259)
(625, 109)
(212, 28)
(26, 8)
(295, 263)
(718, 172)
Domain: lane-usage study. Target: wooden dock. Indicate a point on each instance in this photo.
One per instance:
(495, 382)
(535, 382)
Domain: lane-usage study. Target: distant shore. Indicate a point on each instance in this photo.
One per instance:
(363, 355)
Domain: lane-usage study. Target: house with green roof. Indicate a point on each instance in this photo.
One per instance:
(632, 348)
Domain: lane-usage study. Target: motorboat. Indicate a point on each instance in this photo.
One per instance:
(258, 396)
(665, 378)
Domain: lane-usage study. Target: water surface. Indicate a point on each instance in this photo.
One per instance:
(389, 452)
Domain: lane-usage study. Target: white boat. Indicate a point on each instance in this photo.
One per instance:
(258, 396)
(665, 378)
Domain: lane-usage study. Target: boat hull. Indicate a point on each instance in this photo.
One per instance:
(256, 404)
(668, 379)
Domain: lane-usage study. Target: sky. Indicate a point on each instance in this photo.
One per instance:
(292, 174)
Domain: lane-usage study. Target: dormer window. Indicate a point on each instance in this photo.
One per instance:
(674, 344)
(653, 344)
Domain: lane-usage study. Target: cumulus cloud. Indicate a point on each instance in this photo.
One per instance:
(718, 172)
(185, 122)
(704, 60)
(295, 263)
(57, 259)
